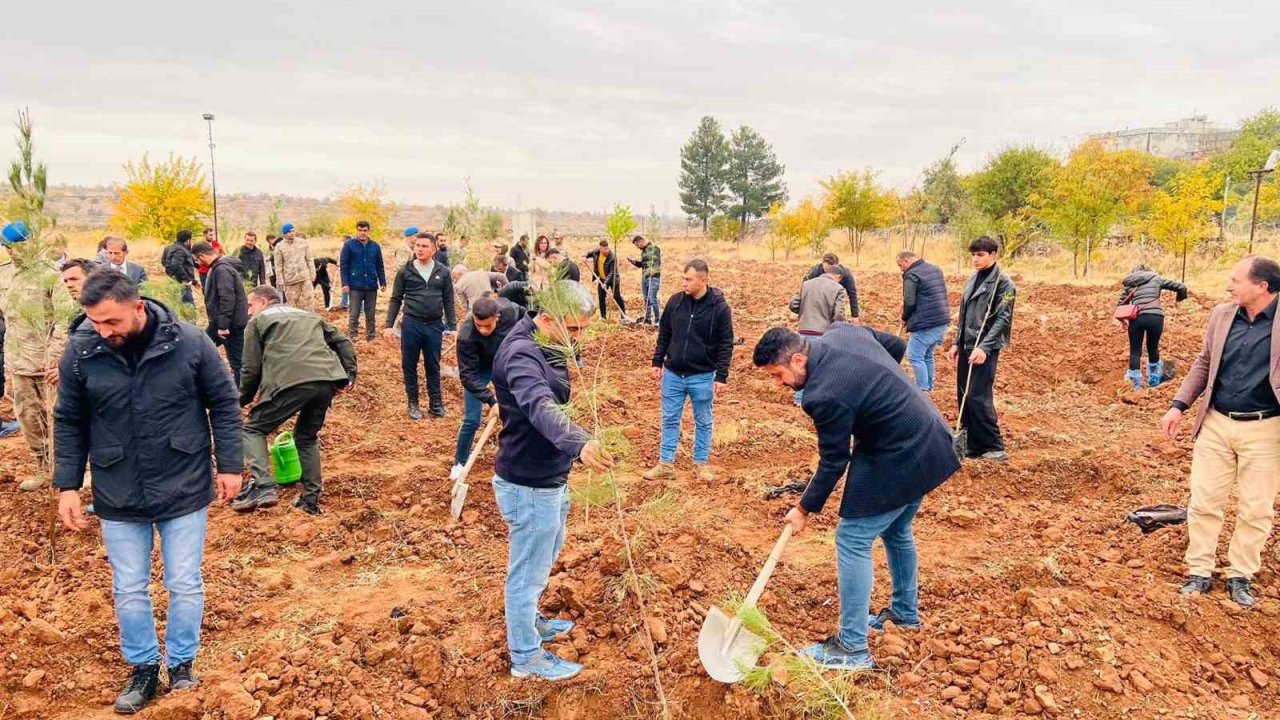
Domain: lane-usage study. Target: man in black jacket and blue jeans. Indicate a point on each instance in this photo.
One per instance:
(536, 450)
(855, 391)
(691, 360)
(140, 394)
(425, 289)
(479, 338)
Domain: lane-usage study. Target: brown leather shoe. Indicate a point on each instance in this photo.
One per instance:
(661, 471)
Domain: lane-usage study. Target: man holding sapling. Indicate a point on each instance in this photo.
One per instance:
(140, 395)
(857, 394)
(536, 450)
(691, 360)
(294, 363)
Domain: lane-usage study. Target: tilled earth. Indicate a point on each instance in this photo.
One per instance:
(1037, 599)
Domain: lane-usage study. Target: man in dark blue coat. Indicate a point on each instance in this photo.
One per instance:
(140, 394)
(925, 314)
(855, 390)
(363, 273)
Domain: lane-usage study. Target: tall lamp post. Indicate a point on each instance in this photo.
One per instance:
(1272, 160)
(213, 174)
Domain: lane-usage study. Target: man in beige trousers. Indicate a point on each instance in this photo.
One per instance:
(295, 269)
(1236, 430)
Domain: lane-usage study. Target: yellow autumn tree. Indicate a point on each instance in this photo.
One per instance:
(364, 202)
(1181, 214)
(807, 225)
(160, 199)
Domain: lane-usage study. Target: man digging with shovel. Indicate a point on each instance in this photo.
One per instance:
(854, 389)
(479, 338)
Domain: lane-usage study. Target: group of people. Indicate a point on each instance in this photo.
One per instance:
(144, 399)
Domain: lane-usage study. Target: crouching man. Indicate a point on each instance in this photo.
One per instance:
(294, 362)
(855, 389)
(536, 450)
(482, 333)
(140, 394)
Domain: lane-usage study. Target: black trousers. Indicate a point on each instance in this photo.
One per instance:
(2, 327)
(324, 288)
(233, 343)
(310, 402)
(603, 294)
(1149, 326)
(421, 339)
(361, 301)
(979, 414)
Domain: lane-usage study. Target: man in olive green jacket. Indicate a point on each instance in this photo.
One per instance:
(294, 362)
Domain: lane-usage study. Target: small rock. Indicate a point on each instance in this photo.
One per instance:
(45, 633)
(1140, 682)
(32, 679)
(1256, 676)
(951, 692)
(658, 628)
(1108, 679)
(1045, 700)
(696, 587)
(909, 680)
(963, 518)
(1241, 701)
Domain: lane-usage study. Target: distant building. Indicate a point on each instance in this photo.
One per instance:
(1189, 139)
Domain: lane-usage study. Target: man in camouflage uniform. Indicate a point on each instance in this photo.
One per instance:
(295, 269)
(404, 251)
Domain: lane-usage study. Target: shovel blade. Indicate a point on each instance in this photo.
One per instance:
(726, 664)
(459, 499)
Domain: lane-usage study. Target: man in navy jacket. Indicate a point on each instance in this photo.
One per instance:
(362, 274)
(536, 449)
(855, 390)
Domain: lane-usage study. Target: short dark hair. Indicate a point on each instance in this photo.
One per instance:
(830, 259)
(984, 244)
(636, 239)
(266, 292)
(485, 307)
(552, 251)
(208, 229)
(184, 236)
(835, 270)
(604, 243)
(907, 255)
(202, 248)
(270, 237)
(776, 347)
(107, 284)
(88, 266)
(698, 265)
(252, 234)
(1264, 269)
(362, 224)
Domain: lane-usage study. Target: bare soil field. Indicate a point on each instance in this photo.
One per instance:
(1037, 599)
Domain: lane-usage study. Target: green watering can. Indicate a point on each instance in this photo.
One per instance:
(284, 459)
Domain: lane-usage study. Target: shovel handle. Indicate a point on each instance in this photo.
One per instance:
(758, 588)
(475, 452)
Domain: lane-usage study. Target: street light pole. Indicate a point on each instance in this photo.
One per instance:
(1269, 167)
(213, 175)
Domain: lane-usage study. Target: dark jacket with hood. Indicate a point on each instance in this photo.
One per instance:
(538, 443)
(902, 446)
(144, 421)
(846, 282)
(1142, 287)
(224, 296)
(178, 262)
(696, 336)
(476, 351)
(924, 297)
(980, 311)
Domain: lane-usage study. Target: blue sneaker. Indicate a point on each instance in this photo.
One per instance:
(831, 655)
(546, 667)
(9, 428)
(875, 623)
(548, 628)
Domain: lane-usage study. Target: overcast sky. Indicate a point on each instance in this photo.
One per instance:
(573, 105)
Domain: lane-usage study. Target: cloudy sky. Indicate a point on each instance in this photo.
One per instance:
(574, 105)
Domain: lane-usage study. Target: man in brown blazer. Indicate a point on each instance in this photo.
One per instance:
(1236, 430)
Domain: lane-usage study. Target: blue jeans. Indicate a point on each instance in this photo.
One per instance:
(854, 538)
(535, 520)
(421, 339)
(649, 288)
(921, 345)
(472, 409)
(129, 552)
(700, 390)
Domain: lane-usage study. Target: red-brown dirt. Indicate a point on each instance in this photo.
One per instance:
(1038, 600)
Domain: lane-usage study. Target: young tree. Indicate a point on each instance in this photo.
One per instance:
(363, 202)
(805, 225)
(908, 213)
(159, 200)
(619, 224)
(755, 177)
(723, 228)
(1012, 180)
(491, 225)
(1093, 191)
(855, 203)
(1259, 135)
(1182, 214)
(704, 161)
(943, 193)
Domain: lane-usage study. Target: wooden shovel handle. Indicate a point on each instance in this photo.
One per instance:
(475, 452)
(758, 588)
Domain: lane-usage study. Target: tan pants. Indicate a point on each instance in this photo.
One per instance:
(299, 295)
(1232, 453)
(32, 400)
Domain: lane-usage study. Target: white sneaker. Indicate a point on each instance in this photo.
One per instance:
(455, 472)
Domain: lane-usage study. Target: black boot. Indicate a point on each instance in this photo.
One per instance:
(182, 677)
(254, 498)
(414, 412)
(140, 690)
(307, 505)
(1238, 591)
(437, 409)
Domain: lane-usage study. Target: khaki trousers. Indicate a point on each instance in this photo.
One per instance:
(1244, 455)
(32, 400)
(299, 295)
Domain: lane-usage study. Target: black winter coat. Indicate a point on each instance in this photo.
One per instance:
(224, 298)
(985, 321)
(429, 302)
(178, 262)
(476, 351)
(146, 429)
(696, 336)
